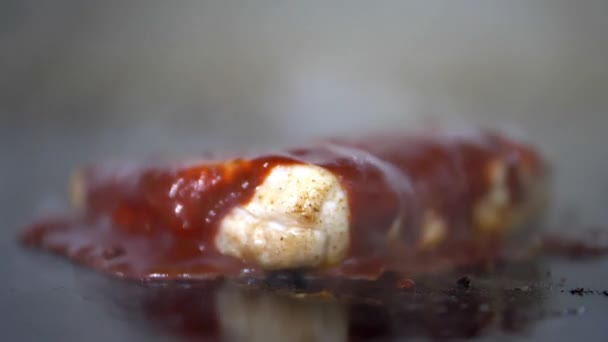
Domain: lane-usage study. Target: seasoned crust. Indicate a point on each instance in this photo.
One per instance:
(298, 217)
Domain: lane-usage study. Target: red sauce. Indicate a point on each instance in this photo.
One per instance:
(162, 221)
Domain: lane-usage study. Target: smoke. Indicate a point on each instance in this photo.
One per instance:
(91, 81)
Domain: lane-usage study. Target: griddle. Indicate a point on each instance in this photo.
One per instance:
(45, 297)
(87, 81)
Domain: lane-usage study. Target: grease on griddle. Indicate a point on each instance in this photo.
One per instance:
(435, 307)
(593, 243)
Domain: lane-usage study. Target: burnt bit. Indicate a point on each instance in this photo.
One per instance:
(577, 291)
(575, 248)
(464, 283)
(580, 291)
(294, 280)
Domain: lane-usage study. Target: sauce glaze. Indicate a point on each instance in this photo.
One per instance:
(161, 222)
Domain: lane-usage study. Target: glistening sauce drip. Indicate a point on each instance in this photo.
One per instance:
(162, 222)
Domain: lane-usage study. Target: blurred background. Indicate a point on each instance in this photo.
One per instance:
(84, 80)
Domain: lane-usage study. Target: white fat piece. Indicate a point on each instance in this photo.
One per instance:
(298, 217)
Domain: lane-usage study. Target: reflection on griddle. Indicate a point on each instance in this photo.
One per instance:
(264, 316)
(290, 307)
